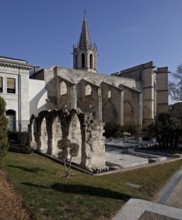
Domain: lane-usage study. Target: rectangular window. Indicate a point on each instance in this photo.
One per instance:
(11, 85)
(1, 84)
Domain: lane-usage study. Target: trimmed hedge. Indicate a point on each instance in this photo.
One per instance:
(116, 130)
(113, 130)
(18, 137)
(20, 148)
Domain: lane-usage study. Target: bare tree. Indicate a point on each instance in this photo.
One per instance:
(175, 85)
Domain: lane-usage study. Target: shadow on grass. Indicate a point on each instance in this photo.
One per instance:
(31, 170)
(83, 190)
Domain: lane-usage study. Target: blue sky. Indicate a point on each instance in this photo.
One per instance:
(127, 32)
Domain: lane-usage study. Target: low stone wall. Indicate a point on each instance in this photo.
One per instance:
(50, 127)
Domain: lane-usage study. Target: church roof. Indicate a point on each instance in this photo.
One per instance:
(84, 36)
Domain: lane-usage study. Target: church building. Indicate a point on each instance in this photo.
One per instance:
(136, 94)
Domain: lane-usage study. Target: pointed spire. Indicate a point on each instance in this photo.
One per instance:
(84, 55)
(84, 36)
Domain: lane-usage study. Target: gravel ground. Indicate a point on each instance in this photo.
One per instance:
(11, 205)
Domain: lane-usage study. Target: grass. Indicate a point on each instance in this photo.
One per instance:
(48, 195)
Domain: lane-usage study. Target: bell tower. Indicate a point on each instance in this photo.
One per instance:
(84, 55)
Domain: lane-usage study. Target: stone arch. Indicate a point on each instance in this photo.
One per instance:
(83, 60)
(75, 135)
(63, 88)
(33, 130)
(43, 136)
(91, 61)
(109, 112)
(128, 112)
(109, 94)
(56, 135)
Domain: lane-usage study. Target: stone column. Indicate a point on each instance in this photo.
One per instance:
(100, 104)
(140, 115)
(74, 97)
(121, 101)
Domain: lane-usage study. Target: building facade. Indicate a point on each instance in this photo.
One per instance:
(136, 94)
(19, 92)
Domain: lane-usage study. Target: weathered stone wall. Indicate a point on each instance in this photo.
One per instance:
(70, 88)
(89, 98)
(153, 84)
(132, 105)
(112, 99)
(80, 128)
(65, 94)
(162, 89)
(138, 95)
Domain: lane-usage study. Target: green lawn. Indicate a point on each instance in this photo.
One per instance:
(48, 195)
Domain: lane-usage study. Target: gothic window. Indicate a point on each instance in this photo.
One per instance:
(63, 88)
(1, 84)
(88, 90)
(83, 60)
(109, 112)
(11, 116)
(91, 61)
(11, 85)
(109, 94)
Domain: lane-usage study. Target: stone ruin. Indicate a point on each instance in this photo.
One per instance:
(50, 127)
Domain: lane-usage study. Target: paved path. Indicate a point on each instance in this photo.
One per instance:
(172, 193)
(168, 205)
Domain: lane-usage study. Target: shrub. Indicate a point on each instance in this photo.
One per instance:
(113, 130)
(132, 127)
(3, 130)
(20, 148)
(166, 130)
(18, 137)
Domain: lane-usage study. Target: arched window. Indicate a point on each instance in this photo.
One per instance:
(11, 116)
(91, 61)
(128, 112)
(88, 90)
(63, 88)
(75, 136)
(43, 136)
(83, 60)
(56, 136)
(109, 94)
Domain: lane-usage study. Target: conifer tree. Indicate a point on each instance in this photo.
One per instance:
(3, 130)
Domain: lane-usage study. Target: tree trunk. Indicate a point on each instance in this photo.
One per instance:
(68, 175)
(65, 167)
